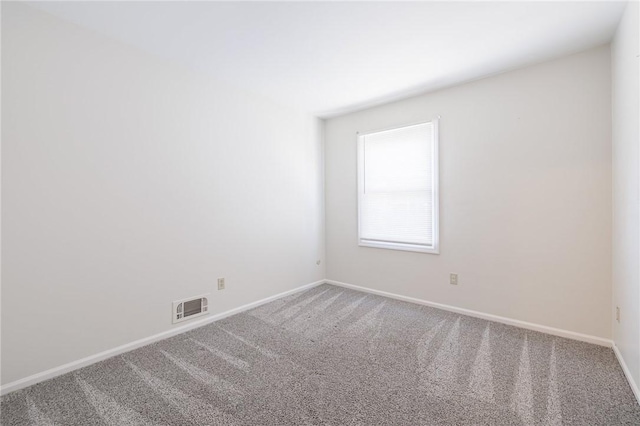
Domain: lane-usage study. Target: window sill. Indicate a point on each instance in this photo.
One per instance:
(398, 246)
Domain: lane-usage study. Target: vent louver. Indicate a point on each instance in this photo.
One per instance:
(190, 308)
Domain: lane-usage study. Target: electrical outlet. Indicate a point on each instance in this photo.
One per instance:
(618, 313)
(220, 283)
(453, 279)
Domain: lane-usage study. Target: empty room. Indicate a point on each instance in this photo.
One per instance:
(329, 213)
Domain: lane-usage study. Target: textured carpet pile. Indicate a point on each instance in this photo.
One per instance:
(340, 357)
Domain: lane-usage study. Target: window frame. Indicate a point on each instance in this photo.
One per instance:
(390, 245)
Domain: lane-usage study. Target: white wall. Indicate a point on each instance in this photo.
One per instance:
(525, 175)
(626, 188)
(128, 183)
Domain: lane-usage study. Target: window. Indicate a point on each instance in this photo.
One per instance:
(398, 188)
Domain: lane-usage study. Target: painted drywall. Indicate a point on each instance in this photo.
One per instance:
(626, 188)
(128, 183)
(525, 203)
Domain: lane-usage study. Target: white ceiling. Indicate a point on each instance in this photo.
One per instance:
(329, 58)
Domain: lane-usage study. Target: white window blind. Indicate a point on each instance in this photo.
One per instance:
(398, 188)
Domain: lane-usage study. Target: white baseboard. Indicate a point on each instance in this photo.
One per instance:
(627, 373)
(66, 368)
(509, 321)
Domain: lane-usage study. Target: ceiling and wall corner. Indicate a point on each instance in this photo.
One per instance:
(331, 58)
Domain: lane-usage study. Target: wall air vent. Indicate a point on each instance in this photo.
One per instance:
(190, 308)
